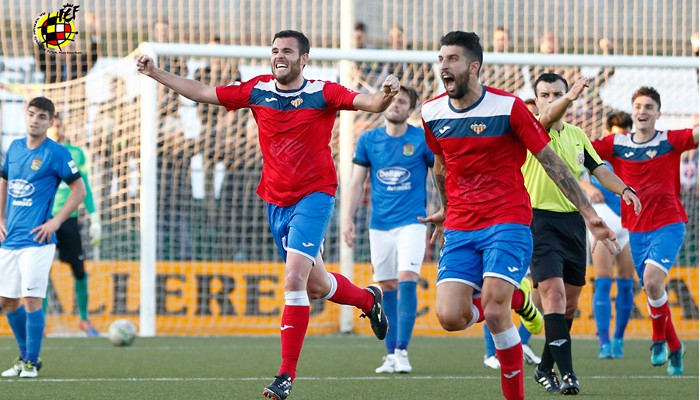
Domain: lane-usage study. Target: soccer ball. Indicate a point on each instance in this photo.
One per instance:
(122, 332)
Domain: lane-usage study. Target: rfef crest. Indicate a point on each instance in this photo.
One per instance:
(55, 30)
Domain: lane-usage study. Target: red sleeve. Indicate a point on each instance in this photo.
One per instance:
(235, 95)
(430, 139)
(604, 147)
(527, 128)
(682, 140)
(338, 96)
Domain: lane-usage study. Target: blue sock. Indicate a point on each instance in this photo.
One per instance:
(408, 303)
(389, 303)
(35, 334)
(18, 323)
(488, 342)
(602, 309)
(524, 334)
(624, 302)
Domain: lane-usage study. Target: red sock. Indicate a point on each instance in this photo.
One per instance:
(295, 320)
(659, 316)
(349, 294)
(671, 338)
(477, 302)
(511, 360)
(518, 300)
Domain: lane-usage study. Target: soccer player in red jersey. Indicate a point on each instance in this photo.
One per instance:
(648, 160)
(295, 117)
(480, 136)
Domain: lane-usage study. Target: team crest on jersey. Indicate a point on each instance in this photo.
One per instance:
(36, 164)
(651, 153)
(297, 102)
(408, 150)
(478, 127)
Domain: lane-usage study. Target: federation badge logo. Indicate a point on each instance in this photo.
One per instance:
(581, 158)
(408, 150)
(297, 102)
(55, 30)
(478, 127)
(36, 164)
(651, 153)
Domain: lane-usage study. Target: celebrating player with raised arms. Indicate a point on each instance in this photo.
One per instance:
(295, 117)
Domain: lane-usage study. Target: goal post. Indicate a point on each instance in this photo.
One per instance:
(186, 248)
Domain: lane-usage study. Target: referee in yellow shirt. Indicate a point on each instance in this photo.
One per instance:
(558, 264)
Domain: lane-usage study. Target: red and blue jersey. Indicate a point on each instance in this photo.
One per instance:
(484, 147)
(295, 128)
(652, 168)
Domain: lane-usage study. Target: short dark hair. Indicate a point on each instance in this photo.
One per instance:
(550, 78)
(43, 103)
(360, 26)
(621, 119)
(648, 91)
(469, 41)
(412, 95)
(302, 40)
(529, 101)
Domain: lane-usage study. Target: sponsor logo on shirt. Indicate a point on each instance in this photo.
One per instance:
(393, 175)
(19, 188)
(22, 203)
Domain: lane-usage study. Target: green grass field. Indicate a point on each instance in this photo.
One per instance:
(331, 367)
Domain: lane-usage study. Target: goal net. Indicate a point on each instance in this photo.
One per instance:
(186, 248)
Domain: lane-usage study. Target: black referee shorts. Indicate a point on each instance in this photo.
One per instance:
(559, 247)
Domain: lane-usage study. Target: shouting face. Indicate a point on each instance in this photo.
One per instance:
(454, 70)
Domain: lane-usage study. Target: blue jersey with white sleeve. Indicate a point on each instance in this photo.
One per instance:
(611, 198)
(33, 176)
(398, 168)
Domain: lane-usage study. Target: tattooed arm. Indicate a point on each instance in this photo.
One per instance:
(564, 179)
(439, 172)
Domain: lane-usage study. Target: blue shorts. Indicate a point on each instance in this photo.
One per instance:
(501, 251)
(659, 247)
(300, 228)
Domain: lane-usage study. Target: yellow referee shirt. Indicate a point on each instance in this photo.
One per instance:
(573, 146)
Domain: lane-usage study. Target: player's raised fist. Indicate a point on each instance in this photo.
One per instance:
(145, 64)
(391, 85)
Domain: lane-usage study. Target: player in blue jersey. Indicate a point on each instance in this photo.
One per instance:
(33, 168)
(607, 204)
(397, 160)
